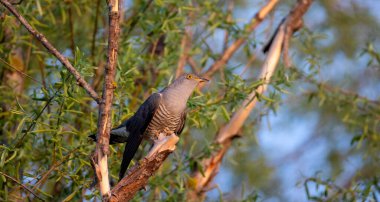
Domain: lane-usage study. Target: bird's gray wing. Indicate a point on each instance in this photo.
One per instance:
(181, 123)
(136, 127)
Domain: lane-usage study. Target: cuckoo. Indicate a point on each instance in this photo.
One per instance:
(161, 112)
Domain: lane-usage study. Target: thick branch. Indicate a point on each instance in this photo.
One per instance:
(40, 37)
(227, 54)
(227, 133)
(105, 118)
(138, 176)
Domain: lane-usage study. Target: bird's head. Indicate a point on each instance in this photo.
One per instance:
(193, 78)
(189, 81)
(183, 86)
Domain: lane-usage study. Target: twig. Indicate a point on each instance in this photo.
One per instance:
(40, 37)
(34, 121)
(23, 186)
(229, 131)
(227, 54)
(248, 64)
(333, 89)
(20, 72)
(105, 116)
(45, 176)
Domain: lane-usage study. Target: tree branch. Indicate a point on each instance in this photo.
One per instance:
(105, 117)
(227, 54)
(40, 37)
(138, 175)
(227, 132)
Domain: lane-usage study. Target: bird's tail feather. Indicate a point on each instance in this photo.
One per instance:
(130, 150)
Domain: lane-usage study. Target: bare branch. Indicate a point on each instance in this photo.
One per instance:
(105, 117)
(40, 37)
(227, 133)
(227, 54)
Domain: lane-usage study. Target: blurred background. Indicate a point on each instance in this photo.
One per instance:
(313, 136)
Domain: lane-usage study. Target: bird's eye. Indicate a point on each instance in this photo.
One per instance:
(189, 76)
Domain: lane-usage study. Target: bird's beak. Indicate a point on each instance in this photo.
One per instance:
(203, 79)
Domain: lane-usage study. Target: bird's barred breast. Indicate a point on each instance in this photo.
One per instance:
(162, 119)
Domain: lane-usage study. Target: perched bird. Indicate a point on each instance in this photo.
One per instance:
(161, 112)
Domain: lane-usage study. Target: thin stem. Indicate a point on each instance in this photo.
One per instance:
(23, 186)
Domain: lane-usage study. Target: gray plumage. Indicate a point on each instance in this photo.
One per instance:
(162, 111)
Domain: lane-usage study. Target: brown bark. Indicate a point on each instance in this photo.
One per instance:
(228, 132)
(40, 37)
(138, 176)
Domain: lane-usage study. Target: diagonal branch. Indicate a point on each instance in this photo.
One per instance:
(105, 116)
(228, 53)
(40, 37)
(138, 176)
(229, 131)
(23, 186)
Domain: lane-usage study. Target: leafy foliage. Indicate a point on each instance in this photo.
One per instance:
(45, 117)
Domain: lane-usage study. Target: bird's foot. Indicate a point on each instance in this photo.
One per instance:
(162, 143)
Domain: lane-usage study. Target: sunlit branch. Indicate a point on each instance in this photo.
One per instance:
(229, 131)
(105, 116)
